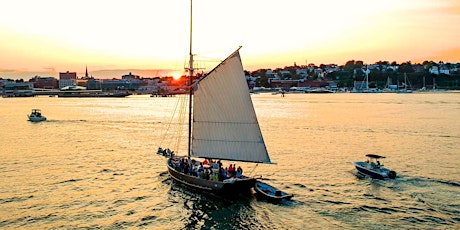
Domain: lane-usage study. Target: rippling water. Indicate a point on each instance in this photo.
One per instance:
(93, 165)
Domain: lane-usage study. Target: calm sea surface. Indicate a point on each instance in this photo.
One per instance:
(93, 165)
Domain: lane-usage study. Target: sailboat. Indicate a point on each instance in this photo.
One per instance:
(389, 88)
(405, 89)
(222, 125)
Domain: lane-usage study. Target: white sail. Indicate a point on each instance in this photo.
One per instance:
(225, 125)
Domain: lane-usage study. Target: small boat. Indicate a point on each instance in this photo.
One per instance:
(406, 83)
(319, 90)
(373, 168)
(271, 193)
(91, 93)
(36, 116)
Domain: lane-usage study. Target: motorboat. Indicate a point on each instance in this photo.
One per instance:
(374, 168)
(36, 116)
(270, 193)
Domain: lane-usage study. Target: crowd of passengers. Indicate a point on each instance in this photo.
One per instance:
(208, 169)
(165, 152)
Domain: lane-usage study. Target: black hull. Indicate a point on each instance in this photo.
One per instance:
(240, 186)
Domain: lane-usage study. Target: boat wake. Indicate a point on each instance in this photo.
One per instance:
(417, 181)
(427, 180)
(68, 121)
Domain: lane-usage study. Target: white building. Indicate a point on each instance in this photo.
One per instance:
(67, 79)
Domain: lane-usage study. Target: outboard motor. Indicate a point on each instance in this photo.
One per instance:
(392, 174)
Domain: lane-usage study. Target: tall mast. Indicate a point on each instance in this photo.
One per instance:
(190, 81)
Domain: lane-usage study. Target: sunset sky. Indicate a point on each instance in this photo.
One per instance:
(112, 36)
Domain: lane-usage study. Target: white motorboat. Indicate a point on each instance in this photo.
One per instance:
(36, 116)
(373, 168)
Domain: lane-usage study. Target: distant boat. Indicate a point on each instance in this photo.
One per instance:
(92, 94)
(406, 83)
(319, 90)
(363, 87)
(222, 125)
(373, 168)
(389, 88)
(36, 116)
(79, 91)
(270, 193)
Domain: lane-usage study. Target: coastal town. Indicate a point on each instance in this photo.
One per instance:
(353, 76)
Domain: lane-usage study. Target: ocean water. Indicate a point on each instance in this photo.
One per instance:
(93, 165)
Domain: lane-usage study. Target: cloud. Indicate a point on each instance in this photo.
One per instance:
(50, 69)
(25, 73)
(7, 71)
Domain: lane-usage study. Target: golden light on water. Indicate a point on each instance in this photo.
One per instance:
(93, 164)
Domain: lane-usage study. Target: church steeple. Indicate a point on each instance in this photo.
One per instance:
(86, 73)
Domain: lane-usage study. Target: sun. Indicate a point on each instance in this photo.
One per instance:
(176, 76)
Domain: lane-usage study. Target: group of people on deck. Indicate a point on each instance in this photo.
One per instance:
(165, 152)
(208, 169)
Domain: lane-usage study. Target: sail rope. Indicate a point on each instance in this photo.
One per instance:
(181, 123)
(172, 135)
(169, 125)
(254, 169)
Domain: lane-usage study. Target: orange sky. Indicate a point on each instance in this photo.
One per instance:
(50, 36)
